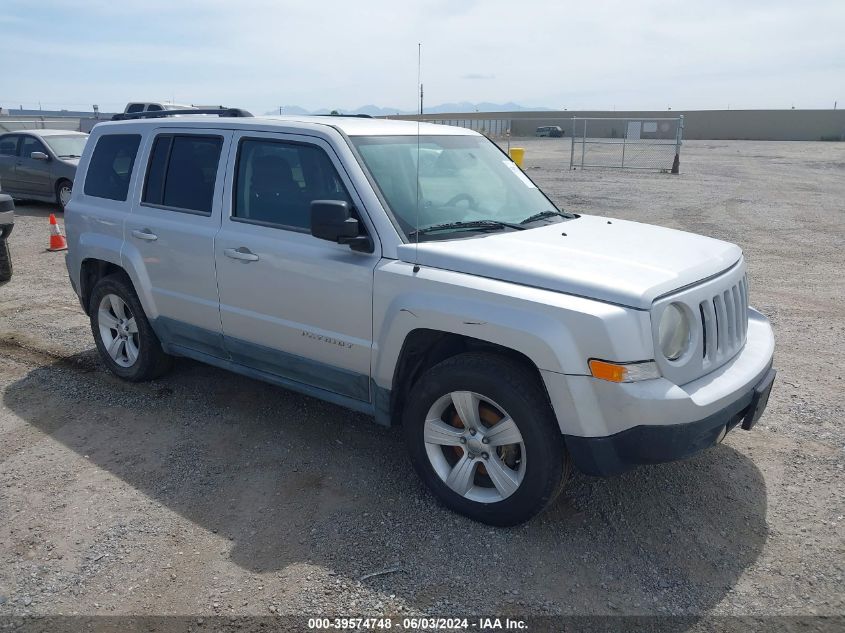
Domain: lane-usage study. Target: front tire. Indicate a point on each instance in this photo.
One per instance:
(482, 436)
(63, 190)
(126, 341)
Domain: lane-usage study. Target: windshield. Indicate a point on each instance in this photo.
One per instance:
(70, 146)
(462, 179)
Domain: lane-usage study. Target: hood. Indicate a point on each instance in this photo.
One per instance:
(618, 261)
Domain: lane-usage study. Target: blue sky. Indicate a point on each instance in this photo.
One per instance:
(260, 54)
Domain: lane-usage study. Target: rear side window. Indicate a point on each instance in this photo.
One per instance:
(277, 181)
(111, 165)
(154, 108)
(182, 172)
(8, 146)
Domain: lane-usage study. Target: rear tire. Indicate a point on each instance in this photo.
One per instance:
(519, 464)
(125, 339)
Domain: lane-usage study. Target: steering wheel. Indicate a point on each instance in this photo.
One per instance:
(460, 198)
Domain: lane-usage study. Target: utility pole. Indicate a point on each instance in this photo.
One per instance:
(280, 110)
(419, 74)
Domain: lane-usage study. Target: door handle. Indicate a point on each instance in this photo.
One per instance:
(242, 253)
(145, 234)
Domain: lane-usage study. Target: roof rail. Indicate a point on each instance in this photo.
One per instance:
(156, 114)
(354, 116)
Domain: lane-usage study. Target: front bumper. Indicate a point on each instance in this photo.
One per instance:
(647, 444)
(611, 427)
(7, 223)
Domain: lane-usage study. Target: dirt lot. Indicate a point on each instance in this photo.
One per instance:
(207, 493)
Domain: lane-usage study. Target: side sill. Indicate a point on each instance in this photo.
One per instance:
(315, 392)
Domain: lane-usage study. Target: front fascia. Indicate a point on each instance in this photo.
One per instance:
(559, 333)
(587, 407)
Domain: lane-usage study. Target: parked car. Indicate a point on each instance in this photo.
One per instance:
(40, 164)
(144, 106)
(7, 222)
(549, 130)
(509, 338)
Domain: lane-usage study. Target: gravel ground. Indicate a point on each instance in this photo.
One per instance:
(207, 493)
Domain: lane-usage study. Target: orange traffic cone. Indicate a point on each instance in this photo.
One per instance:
(57, 240)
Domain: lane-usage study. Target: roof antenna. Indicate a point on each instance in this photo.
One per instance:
(417, 220)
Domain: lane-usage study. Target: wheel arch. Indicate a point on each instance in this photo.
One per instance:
(91, 271)
(105, 255)
(424, 348)
(59, 180)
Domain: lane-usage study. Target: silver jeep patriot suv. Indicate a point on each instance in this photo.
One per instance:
(415, 273)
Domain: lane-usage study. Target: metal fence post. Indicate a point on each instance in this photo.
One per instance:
(624, 140)
(676, 163)
(572, 146)
(583, 144)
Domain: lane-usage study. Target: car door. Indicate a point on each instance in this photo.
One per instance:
(171, 230)
(33, 176)
(293, 305)
(8, 159)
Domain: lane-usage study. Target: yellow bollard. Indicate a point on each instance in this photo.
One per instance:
(517, 155)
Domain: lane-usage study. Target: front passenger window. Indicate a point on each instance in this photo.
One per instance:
(29, 145)
(277, 181)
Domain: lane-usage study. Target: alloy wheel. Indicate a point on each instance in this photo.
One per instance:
(475, 447)
(118, 330)
(64, 195)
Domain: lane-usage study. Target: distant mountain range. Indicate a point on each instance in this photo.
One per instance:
(374, 110)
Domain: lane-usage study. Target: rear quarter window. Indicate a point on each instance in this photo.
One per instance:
(110, 167)
(8, 145)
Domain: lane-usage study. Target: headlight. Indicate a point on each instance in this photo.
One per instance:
(673, 333)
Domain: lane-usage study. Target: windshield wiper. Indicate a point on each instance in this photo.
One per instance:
(546, 214)
(472, 224)
(70, 156)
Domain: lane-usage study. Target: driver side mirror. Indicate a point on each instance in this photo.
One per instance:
(332, 220)
(39, 156)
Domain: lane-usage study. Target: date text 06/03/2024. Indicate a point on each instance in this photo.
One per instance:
(419, 623)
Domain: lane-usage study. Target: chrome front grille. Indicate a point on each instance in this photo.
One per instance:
(718, 308)
(724, 323)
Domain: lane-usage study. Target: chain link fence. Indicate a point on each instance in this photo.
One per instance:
(619, 143)
(627, 143)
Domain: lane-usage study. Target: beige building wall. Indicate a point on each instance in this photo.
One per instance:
(765, 125)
